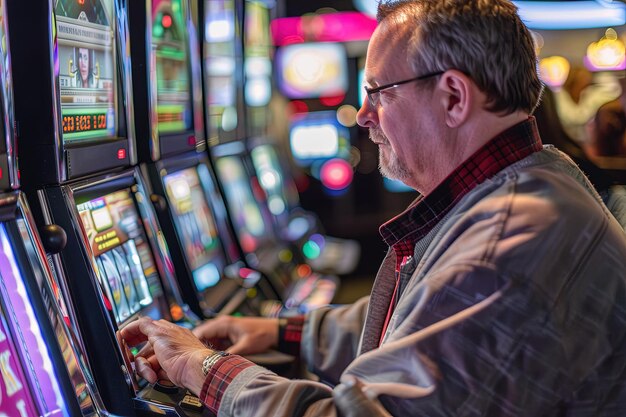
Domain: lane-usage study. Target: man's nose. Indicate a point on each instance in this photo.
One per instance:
(367, 116)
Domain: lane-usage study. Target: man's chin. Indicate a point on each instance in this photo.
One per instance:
(392, 174)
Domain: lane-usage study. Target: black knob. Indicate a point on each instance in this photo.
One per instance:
(53, 238)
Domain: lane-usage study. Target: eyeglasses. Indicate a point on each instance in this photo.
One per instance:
(373, 94)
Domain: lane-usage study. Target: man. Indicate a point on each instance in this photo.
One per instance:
(504, 288)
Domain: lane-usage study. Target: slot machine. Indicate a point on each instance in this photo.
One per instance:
(227, 129)
(80, 166)
(301, 228)
(172, 149)
(43, 368)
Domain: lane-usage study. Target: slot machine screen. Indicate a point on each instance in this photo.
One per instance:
(258, 65)
(195, 225)
(30, 389)
(126, 270)
(220, 54)
(312, 70)
(317, 136)
(59, 318)
(245, 211)
(270, 176)
(88, 77)
(169, 39)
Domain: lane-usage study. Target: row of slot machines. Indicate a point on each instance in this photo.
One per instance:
(137, 194)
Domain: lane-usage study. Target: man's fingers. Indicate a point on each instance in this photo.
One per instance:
(162, 375)
(212, 329)
(242, 347)
(146, 351)
(145, 370)
(137, 331)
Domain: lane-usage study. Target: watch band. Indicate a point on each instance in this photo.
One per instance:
(211, 360)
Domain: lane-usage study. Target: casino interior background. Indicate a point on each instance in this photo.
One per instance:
(183, 159)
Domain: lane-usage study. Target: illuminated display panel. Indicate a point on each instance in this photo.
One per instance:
(32, 390)
(172, 66)
(195, 225)
(59, 319)
(312, 70)
(220, 54)
(257, 50)
(243, 207)
(17, 399)
(318, 136)
(270, 176)
(125, 267)
(88, 78)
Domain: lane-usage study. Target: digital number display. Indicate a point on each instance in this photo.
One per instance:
(84, 122)
(87, 63)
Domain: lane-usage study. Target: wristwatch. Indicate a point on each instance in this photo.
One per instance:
(211, 360)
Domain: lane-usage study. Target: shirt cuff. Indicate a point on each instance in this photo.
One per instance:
(290, 335)
(219, 377)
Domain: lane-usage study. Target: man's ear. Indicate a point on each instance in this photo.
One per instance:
(457, 97)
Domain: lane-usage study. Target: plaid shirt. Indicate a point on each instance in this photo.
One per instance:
(413, 224)
(508, 147)
(403, 231)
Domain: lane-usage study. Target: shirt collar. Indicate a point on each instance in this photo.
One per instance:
(510, 146)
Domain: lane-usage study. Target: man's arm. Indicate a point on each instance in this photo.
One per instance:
(330, 338)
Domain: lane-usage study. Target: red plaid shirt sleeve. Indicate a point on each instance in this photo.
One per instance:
(219, 377)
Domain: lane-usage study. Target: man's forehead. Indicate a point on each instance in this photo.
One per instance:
(387, 49)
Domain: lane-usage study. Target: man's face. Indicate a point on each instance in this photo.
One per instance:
(402, 124)
(83, 63)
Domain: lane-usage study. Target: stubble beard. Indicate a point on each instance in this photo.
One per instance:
(389, 164)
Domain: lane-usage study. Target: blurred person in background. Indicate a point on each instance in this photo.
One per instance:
(552, 132)
(607, 131)
(580, 97)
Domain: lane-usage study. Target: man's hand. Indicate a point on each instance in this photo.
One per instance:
(172, 352)
(248, 335)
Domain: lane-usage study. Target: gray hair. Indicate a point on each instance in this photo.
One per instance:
(485, 39)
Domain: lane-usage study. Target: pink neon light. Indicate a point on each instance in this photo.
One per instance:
(332, 27)
(336, 174)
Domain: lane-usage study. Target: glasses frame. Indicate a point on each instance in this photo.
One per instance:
(376, 90)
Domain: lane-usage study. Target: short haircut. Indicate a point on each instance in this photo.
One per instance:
(484, 39)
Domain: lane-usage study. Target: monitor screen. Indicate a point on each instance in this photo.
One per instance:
(31, 388)
(257, 29)
(59, 316)
(173, 89)
(220, 54)
(17, 398)
(317, 136)
(126, 269)
(243, 207)
(271, 179)
(195, 225)
(257, 49)
(312, 70)
(88, 77)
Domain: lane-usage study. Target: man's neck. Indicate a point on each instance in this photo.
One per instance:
(484, 128)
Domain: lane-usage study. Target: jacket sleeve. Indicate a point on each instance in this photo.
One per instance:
(330, 339)
(503, 353)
